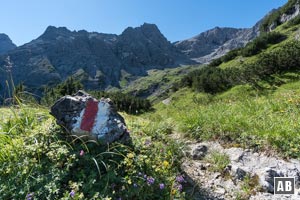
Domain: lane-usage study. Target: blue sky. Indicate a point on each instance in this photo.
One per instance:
(25, 20)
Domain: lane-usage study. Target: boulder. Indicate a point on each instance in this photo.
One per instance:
(84, 116)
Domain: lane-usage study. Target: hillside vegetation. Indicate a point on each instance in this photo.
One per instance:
(248, 98)
(38, 160)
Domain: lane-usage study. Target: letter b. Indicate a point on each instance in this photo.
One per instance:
(288, 186)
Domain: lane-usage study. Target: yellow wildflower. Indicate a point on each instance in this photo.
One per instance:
(166, 164)
(130, 155)
(173, 192)
(129, 182)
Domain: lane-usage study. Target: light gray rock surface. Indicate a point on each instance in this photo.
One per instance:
(294, 12)
(216, 42)
(244, 163)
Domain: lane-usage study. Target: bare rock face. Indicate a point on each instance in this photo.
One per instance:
(216, 42)
(293, 12)
(86, 117)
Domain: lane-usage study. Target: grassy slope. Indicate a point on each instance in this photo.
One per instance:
(158, 82)
(39, 161)
(239, 117)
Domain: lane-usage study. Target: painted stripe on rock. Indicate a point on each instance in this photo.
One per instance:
(100, 127)
(89, 115)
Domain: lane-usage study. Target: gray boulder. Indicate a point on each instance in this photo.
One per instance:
(84, 116)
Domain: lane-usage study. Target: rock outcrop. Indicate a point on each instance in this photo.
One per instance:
(6, 44)
(291, 14)
(281, 15)
(246, 168)
(216, 42)
(86, 117)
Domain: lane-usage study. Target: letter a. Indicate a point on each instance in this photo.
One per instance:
(280, 186)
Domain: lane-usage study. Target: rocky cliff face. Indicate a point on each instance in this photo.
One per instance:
(5, 44)
(98, 60)
(146, 46)
(216, 42)
(291, 14)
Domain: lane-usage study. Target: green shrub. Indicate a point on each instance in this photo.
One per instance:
(125, 102)
(227, 57)
(284, 58)
(262, 42)
(68, 87)
(210, 79)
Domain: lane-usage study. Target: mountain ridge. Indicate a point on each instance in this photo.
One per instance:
(6, 44)
(228, 39)
(98, 60)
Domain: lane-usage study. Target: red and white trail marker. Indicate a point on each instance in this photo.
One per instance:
(93, 118)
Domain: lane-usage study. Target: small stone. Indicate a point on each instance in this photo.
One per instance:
(199, 152)
(220, 190)
(240, 174)
(217, 175)
(202, 167)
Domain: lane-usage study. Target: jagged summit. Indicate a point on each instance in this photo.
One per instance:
(146, 28)
(207, 45)
(51, 32)
(6, 44)
(149, 27)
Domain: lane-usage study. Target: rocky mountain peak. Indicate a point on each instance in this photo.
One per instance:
(208, 42)
(6, 44)
(52, 32)
(146, 27)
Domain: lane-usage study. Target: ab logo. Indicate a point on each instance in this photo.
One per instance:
(284, 185)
